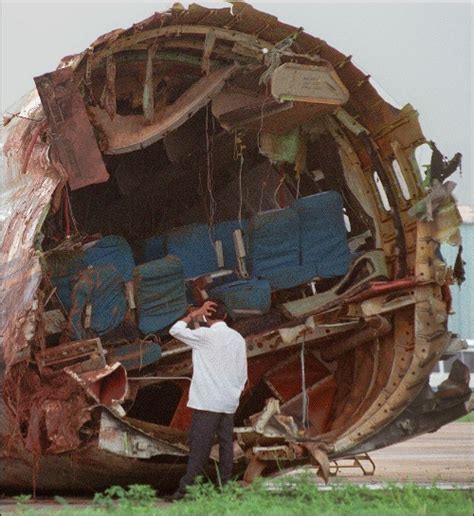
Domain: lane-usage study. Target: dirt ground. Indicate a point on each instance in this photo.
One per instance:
(445, 457)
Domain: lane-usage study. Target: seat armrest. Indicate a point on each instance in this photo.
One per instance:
(240, 253)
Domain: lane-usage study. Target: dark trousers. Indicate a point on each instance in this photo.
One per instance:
(204, 427)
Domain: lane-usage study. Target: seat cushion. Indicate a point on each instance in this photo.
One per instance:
(290, 277)
(160, 293)
(193, 245)
(102, 287)
(323, 234)
(244, 298)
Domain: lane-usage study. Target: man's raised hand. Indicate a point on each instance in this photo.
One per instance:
(207, 309)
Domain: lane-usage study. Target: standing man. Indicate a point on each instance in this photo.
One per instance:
(219, 376)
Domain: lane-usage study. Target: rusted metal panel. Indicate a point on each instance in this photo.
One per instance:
(107, 385)
(182, 415)
(285, 380)
(19, 280)
(73, 136)
(24, 198)
(129, 133)
(108, 99)
(81, 356)
(320, 400)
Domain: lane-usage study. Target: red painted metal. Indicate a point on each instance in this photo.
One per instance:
(73, 136)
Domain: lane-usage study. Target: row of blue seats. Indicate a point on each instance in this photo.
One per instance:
(285, 248)
(99, 277)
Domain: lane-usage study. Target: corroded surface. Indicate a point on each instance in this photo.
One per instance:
(370, 351)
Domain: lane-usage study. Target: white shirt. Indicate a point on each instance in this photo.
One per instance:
(219, 366)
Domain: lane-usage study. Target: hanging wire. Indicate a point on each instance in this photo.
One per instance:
(265, 179)
(277, 189)
(239, 154)
(260, 129)
(209, 177)
(304, 397)
(240, 187)
(380, 89)
(69, 214)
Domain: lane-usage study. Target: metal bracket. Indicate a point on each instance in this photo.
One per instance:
(362, 461)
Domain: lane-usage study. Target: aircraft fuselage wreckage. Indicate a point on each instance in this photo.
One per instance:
(217, 153)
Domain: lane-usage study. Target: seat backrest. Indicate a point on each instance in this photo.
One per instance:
(273, 241)
(114, 250)
(110, 250)
(323, 234)
(152, 248)
(160, 293)
(194, 247)
(103, 288)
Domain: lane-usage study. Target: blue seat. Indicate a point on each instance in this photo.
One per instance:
(102, 287)
(114, 250)
(110, 250)
(323, 234)
(153, 248)
(193, 245)
(160, 293)
(274, 249)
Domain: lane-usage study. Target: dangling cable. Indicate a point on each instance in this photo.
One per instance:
(68, 215)
(304, 394)
(209, 181)
(277, 189)
(239, 154)
(260, 129)
(262, 191)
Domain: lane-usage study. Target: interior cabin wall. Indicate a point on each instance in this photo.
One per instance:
(149, 193)
(164, 186)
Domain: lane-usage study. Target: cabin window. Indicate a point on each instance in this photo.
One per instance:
(401, 180)
(381, 190)
(423, 158)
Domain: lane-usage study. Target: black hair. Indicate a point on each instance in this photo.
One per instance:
(220, 312)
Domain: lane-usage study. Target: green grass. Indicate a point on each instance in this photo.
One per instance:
(468, 418)
(300, 498)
